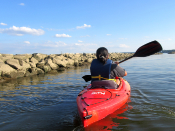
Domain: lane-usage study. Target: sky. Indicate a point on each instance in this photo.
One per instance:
(82, 26)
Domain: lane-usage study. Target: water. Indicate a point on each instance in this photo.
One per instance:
(48, 102)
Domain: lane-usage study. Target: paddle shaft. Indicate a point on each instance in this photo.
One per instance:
(126, 59)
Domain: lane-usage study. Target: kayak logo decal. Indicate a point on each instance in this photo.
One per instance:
(97, 93)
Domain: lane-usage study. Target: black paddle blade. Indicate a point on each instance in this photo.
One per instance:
(148, 49)
(87, 78)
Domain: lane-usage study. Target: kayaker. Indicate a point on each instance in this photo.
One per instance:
(103, 68)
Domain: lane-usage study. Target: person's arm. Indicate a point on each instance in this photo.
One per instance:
(125, 73)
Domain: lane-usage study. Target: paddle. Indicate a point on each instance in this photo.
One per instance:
(145, 50)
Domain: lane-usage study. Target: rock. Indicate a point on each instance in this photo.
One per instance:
(61, 69)
(45, 68)
(1, 61)
(89, 60)
(39, 71)
(70, 62)
(34, 71)
(39, 56)
(33, 65)
(27, 73)
(22, 56)
(31, 71)
(40, 65)
(7, 71)
(53, 72)
(70, 56)
(24, 64)
(51, 64)
(51, 56)
(33, 60)
(18, 64)
(21, 73)
(60, 57)
(14, 63)
(76, 63)
(27, 60)
(5, 57)
(59, 62)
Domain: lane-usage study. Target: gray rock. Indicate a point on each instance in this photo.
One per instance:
(89, 60)
(70, 62)
(27, 60)
(45, 68)
(76, 63)
(59, 62)
(51, 64)
(32, 59)
(39, 56)
(1, 61)
(7, 71)
(24, 64)
(39, 71)
(21, 73)
(5, 57)
(34, 71)
(33, 65)
(31, 72)
(14, 63)
(22, 56)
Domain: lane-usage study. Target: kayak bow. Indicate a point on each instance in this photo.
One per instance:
(95, 104)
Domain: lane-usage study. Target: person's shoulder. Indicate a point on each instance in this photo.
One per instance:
(113, 66)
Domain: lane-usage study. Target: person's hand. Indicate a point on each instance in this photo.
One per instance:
(117, 62)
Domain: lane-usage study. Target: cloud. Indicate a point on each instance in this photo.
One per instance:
(123, 46)
(85, 36)
(108, 34)
(147, 37)
(62, 35)
(27, 42)
(108, 42)
(55, 44)
(20, 31)
(83, 27)
(169, 39)
(123, 38)
(80, 41)
(22, 4)
(60, 43)
(110, 45)
(78, 44)
(88, 44)
(3, 24)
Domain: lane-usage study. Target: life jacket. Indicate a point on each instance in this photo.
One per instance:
(100, 71)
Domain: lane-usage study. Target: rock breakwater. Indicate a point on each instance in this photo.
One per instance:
(23, 65)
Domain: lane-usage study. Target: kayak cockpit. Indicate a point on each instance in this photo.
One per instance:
(106, 84)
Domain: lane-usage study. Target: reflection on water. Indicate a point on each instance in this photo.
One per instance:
(48, 102)
(39, 97)
(110, 122)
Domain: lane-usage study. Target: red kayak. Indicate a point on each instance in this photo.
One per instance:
(95, 102)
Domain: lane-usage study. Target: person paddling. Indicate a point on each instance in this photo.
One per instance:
(103, 68)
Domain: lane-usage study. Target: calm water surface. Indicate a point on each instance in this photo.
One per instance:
(48, 102)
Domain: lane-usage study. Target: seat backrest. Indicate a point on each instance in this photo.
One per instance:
(108, 84)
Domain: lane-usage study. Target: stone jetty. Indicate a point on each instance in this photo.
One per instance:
(23, 65)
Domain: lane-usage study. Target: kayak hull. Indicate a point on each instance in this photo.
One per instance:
(95, 104)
